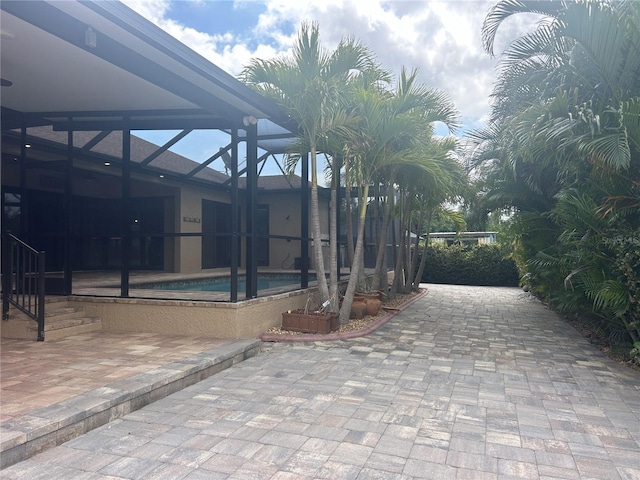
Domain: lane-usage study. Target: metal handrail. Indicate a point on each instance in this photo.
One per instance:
(23, 272)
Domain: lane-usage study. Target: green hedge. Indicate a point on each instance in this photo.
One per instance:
(470, 265)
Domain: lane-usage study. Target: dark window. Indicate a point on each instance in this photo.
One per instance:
(46, 220)
(216, 234)
(11, 209)
(262, 229)
(97, 240)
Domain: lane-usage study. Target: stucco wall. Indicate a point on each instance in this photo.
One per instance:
(284, 219)
(189, 220)
(246, 319)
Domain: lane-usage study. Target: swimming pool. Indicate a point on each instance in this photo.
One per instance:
(223, 284)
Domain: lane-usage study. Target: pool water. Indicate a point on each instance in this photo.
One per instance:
(223, 284)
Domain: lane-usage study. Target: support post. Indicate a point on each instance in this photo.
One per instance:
(40, 309)
(235, 224)
(24, 201)
(252, 205)
(7, 275)
(125, 250)
(68, 231)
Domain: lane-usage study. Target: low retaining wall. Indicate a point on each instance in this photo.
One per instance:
(245, 319)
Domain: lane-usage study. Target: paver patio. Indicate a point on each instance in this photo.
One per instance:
(37, 375)
(467, 383)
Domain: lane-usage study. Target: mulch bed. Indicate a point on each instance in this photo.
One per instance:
(354, 328)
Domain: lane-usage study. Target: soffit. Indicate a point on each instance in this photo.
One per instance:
(133, 69)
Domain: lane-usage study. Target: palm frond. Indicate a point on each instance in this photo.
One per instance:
(506, 8)
(612, 149)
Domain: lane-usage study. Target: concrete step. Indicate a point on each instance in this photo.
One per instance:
(48, 299)
(55, 329)
(61, 320)
(52, 312)
(53, 425)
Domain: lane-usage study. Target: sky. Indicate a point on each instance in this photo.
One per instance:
(439, 38)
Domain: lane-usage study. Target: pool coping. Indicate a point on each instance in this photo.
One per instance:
(150, 285)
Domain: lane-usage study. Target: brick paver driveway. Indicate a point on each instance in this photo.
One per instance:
(468, 383)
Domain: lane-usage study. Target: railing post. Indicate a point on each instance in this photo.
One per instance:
(41, 273)
(23, 268)
(6, 274)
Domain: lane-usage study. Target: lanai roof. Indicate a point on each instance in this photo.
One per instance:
(93, 65)
(52, 144)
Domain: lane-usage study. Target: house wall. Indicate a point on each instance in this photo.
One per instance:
(189, 220)
(183, 211)
(465, 238)
(284, 219)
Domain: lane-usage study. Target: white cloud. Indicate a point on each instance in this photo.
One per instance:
(152, 10)
(440, 38)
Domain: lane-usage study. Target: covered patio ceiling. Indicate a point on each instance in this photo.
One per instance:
(99, 66)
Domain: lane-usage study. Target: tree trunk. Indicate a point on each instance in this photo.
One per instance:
(394, 230)
(376, 215)
(398, 277)
(407, 244)
(333, 236)
(380, 272)
(418, 279)
(345, 310)
(414, 258)
(347, 198)
(315, 227)
(359, 273)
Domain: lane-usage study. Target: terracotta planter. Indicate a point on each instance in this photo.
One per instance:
(310, 322)
(373, 306)
(377, 294)
(358, 309)
(372, 300)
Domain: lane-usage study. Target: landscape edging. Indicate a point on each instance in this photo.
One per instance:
(312, 337)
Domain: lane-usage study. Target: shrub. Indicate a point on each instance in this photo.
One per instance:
(470, 265)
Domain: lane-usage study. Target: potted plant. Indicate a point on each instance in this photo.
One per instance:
(307, 320)
(372, 298)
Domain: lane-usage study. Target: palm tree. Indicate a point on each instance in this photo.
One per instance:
(431, 106)
(389, 129)
(589, 55)
(310, 86)
(447, 187)
(563, 147)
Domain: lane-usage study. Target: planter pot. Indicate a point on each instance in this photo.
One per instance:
(310, 322)
(373, 306)
(377, 294)
(371, 300)
(358, 309)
